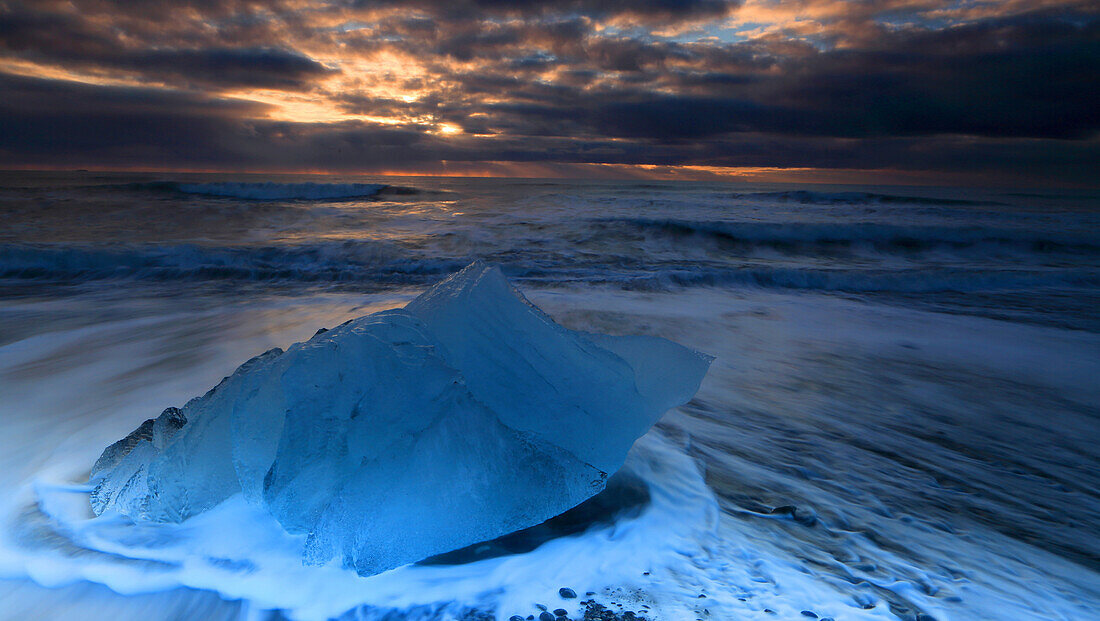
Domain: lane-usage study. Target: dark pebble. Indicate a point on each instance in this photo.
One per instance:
(590, 593)
(769, 611)
(545, 616)
(702, 596)
(567, 593)
(541, 607)
(515, 618)
(561, 612)
(807, 613)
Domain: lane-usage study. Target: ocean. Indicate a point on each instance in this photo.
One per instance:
(902, 420)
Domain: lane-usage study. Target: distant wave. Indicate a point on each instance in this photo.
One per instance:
(883, 237)
(360, 261)
(283, 191)
(866, 281)
(852, 198)
(267, 191)
(380, 263)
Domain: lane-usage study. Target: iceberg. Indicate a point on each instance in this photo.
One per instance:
(467, 415)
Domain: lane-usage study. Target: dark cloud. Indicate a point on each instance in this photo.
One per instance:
(1022, 78)
(879, 85)
(647, 10)
(258, 67)
(69, 39)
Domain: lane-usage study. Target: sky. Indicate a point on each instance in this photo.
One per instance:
(891, 91)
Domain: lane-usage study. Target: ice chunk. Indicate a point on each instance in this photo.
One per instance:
(466, 415)
(126, 462)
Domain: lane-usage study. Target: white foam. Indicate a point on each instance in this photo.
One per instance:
(774, 432)
(240, 552)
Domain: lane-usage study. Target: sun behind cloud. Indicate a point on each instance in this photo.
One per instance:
(979, 91)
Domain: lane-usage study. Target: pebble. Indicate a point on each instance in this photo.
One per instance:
(561, 612)
(807, 613)
(545, 616)
(515, 618)
(567, 593)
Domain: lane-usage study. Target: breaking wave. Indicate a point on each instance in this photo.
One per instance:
(321, 262)
(866, 281)
(381, 263)
(886, 238)
(269, 191)
(853, 198)
(283, 191)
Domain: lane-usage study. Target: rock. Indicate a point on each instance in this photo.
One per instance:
(567, 593)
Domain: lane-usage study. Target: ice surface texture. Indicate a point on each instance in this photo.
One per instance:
(466, 415)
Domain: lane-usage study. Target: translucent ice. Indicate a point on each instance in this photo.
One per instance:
(466, 415)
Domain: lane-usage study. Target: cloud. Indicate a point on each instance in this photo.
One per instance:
(902, 84)
(69, 40)
(640, 10)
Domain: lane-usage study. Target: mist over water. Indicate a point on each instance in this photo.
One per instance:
(901, 422)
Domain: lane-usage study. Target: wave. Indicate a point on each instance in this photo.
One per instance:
(883, 237)
(321, 262)
(852, 198)
(268, 191)
(283, 191)
(865, 281)
(380, 263)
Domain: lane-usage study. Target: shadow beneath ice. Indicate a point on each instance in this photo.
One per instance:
(624, 497)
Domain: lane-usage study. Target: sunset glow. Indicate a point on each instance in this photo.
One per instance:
(916, 88)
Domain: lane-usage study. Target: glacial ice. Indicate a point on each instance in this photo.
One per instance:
(464, 416)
